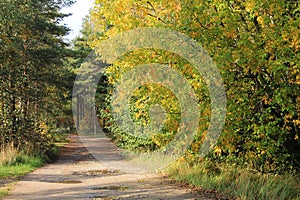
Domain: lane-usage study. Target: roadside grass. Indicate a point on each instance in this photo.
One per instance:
(236, 182)
(60, 138)
(19, 169)
(15, 163)
(58, 141)
(4, 190)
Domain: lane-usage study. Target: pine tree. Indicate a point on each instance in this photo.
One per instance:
(32, 53)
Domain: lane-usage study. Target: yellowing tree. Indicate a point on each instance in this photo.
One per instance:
(255, 45)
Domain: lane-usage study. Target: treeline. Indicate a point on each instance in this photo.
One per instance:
(255, 45)
(34, 84)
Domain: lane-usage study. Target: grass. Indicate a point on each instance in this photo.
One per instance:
(60, 138)
(4, 191)
(20, 169)
(238, 183)
(15, 163)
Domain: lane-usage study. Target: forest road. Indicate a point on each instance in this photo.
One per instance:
(78, 175)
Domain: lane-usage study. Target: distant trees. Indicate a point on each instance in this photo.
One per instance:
(81, 51)
(32, 75)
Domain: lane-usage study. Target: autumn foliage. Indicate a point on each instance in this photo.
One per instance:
(255, 45)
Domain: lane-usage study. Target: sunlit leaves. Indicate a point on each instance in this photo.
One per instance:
(255, 45)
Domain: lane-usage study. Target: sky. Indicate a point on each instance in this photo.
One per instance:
(79, 10)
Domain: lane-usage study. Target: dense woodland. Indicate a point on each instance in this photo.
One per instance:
(255, 45)
(35, 84)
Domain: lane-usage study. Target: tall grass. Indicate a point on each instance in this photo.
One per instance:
(8, 154)
(238, 183)
(15, 162)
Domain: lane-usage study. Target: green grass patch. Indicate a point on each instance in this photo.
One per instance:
(21, 165)
(235, 182)
(14, 170)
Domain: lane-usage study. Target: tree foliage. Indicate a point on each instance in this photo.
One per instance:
(33, 81)
(255, 45)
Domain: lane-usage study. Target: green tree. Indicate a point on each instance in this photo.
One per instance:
(32, 52)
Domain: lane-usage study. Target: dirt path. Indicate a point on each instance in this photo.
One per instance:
(78, 175)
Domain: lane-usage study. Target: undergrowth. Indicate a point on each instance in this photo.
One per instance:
(15, 162)
(236, 182)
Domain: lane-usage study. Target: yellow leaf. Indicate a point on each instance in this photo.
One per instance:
(218, 151)
(296, 121)
(298, 79)
(249, 6)
(261, 21)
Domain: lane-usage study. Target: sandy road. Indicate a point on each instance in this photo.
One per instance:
(78, 175)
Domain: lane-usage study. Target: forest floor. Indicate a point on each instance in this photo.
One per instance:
(78, 175)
